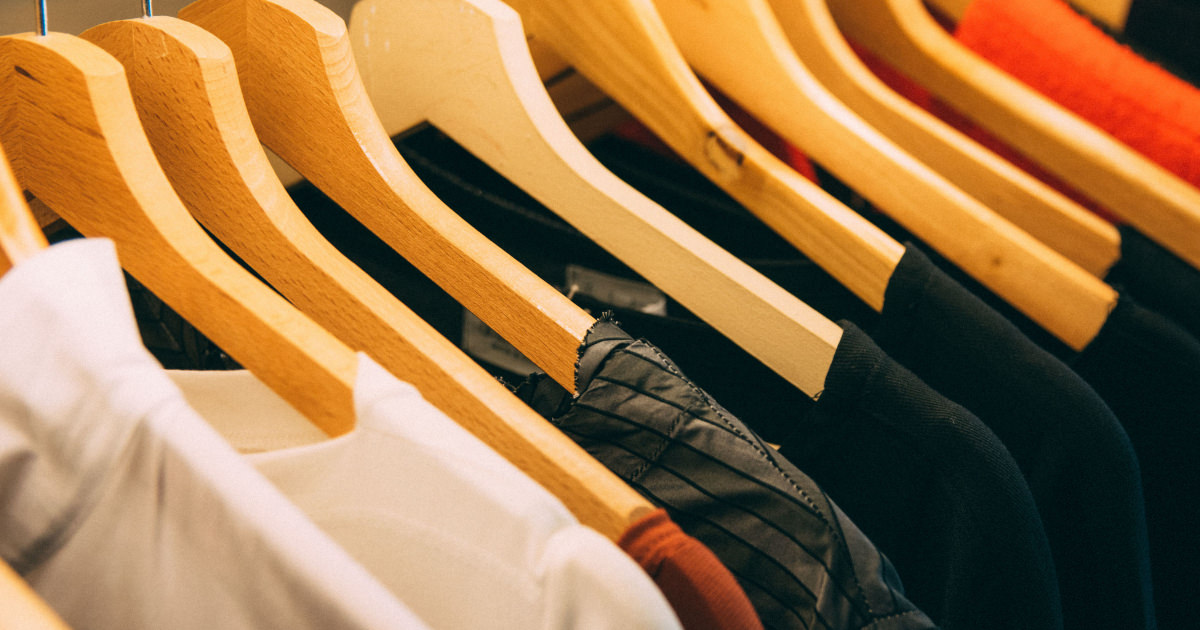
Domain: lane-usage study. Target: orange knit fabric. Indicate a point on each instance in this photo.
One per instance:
(1046, 45)
(1060, 54)
(702, 591)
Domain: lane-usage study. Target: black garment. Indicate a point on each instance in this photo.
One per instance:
(546, 245)
(1069, 445)
(1147, 369)
(1073, 451)
(1165, 31)
(531, 234)
(801, 561)
(1157, 279)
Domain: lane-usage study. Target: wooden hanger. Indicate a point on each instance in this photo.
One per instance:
(20, 606)
(1049, 216)
(186, 89)
(623, 47)
(1111, 13)
(769, 81)
(1160, 205)
(20, 236)
(74, 139)
(463, 66)
(309, 106)
(1043, 212)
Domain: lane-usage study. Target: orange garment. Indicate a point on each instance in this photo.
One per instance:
(1063, 56)
(1060, 54)
(704, 594)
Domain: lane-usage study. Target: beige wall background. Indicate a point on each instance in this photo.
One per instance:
(76, 16)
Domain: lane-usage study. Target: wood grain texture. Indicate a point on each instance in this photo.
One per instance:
(20, 236)
(69, 125)
(308, 105)
(1156, 202)
(767, 79)
(327, 285)
(623, 47)
(20, 606)
(1043, 212)
(463, 65)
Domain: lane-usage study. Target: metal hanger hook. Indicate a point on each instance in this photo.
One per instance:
(42, 22)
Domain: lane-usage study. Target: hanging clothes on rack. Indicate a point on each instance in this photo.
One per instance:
(122, 507)
(380, 492)
(729, 436)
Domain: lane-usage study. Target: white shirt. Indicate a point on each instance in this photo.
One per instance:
(456, 531)
(119, 504)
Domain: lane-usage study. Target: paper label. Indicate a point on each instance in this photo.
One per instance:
(618, 292)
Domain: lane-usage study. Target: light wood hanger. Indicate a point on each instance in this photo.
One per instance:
(1111, 13)
(74, 139)
(767, 79)
(20, 236)
(186, 89)
(1049, 216)
(463, 66)
(623, 47)
(1159, 204)
(1043, 212)
(20, 606)
(308, 105)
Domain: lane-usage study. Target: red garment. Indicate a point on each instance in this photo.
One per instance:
(1075, 64)
(1058, 53)
(702, 591)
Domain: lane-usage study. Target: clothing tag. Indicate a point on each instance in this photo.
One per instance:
(618, 292)
(485, 344)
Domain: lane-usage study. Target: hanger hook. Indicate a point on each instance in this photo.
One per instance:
(147, 8)
(42, 22)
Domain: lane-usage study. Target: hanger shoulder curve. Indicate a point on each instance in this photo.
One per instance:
(483, 406)
(1163, 207)
(76, 143)
(20, 236)
(463, 65)
(308, 104)
(784, 95)
(1043, 212)
(624, 48)
(184, 81)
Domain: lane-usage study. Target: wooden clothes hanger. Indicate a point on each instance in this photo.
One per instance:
(20, 236)
(74, 139)
(308, 105)
(769, 81)
(20, 606)
(1160, 205)
(624, 48)
(463, 65)
(1112, 13)
(185, 86)
(1043, 212)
